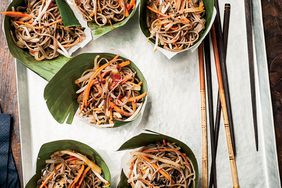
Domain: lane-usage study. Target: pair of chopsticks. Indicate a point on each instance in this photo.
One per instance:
(223, 47)
(220, 58)
(222, 40)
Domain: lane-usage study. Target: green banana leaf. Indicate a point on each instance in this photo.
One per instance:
(209, 11)
(145, 139)
(67, 15)
(48, 149)
(47, 68)
(60, 92)
(98, 31)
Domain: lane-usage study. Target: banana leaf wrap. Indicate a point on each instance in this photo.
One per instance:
(46, 68)
(48, 149)
(98, 31)
(151, 137)
(209, 16)
(60, 92)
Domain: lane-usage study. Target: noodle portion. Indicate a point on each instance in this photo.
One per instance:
(109, 92)
(70, 169)
(40, 30)
(105, 12)
(175, 24)
(161, 165)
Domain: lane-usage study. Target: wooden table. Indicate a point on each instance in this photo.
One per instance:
(272, 16)
(8, 91)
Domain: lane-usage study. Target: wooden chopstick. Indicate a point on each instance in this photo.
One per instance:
(232, 160)
(203, 119)
(210, 109)
(249, 24)
(226, 20)
(219, 37)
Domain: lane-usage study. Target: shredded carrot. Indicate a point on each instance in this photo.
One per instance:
(201, 6)
(15, 14)
(83, 176)
(185, 20)
(116, 108)
(88, 87)
(133, 4)
(50, 176)
(123, 64)
(174, 28)
(137, 97)
(111, 114)
(165, 174)
(86, 93)
(156, 11)
(71, 158)
(126, 13)
(140, 83)
(28, 25)
(133, 106)
(77, 177)
(52, 23)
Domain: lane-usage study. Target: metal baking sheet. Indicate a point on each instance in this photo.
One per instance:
(173, 107)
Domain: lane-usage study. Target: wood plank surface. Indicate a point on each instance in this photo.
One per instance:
(8, 91)
(272, 18)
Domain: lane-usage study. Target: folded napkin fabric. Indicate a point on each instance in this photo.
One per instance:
(8, 173)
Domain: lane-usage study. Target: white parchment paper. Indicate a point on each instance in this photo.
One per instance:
(173, 106)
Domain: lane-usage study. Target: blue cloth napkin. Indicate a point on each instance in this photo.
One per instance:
(8, 173)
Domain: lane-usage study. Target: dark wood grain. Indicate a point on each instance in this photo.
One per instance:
(272, 17)
(8, 91)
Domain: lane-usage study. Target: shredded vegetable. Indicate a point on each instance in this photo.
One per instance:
(70, 169)
(110, 91)
(105, 12)
(38, 27)
(161, 165)
(175, 24)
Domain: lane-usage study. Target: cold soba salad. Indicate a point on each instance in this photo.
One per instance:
(175, 24)
(110, 91)
(161, 165)
(105, 12)
(38, 28)
(68, 168)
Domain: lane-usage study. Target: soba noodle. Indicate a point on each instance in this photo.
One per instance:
(110, 91)
(70, 169)
(42, 32)
(105, 12)
(175, 24)
(161, 165)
